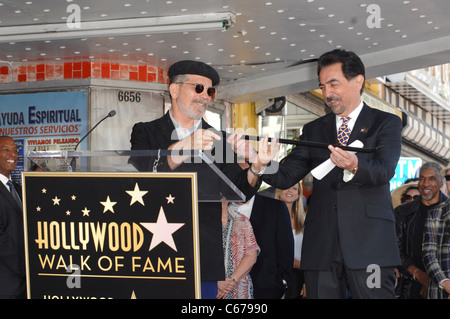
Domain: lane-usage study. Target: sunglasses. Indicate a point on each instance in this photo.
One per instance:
(409, 197)
(199, 88)
(447, 177)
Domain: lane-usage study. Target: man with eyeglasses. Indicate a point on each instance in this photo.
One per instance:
(410, 223)
(192, 87)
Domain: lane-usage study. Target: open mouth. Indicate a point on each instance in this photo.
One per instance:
(11, 162)
(201, 103)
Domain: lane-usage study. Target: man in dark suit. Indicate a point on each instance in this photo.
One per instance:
(349, 229)
(192, 88)
(12, 253)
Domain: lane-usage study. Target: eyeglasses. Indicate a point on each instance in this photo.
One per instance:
(409, 197)
(199, 88)
(447, 177)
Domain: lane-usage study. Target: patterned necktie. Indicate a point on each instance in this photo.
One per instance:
(344, 131)
(14, 193)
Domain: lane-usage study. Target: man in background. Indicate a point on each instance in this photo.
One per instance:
(12, 253)
(410, 223)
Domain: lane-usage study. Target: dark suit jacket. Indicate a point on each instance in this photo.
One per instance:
(12, 252)
(357, 214)
(406, 218)
(158, 134)
(272, 227)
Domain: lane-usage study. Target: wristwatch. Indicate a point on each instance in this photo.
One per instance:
(257, 174)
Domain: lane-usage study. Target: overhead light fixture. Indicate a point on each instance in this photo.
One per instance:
(119, 27)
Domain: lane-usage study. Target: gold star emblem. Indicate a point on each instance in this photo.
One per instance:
(56, 200)
(108, 205)
(136, 195)
(162, 231)
(170, 199)
(86, 212)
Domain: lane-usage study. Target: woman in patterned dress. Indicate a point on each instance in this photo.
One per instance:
(240, 251)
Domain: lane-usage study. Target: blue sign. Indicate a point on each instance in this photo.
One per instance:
(44, 121)
(407, 167)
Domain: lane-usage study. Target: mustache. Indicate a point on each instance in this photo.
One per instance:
(332, 99)
(201, 101)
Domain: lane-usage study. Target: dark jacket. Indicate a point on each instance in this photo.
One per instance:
(406, 216)
(12, 252)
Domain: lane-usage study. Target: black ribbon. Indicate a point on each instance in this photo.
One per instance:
(312, 144)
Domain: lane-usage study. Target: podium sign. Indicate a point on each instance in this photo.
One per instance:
(111, 235)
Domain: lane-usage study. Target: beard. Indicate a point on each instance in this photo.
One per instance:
(336, 105)
(196, 110)
(427, 194)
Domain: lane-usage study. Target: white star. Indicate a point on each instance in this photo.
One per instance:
(56, 200)
(38, 209)
(162, 231)
(85, 211)
(73, 197)
(44, 191)
(136, 195)
(68, 213)
(170, 199)
(108, 205)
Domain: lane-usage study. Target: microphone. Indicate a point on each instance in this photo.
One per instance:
(73, 164)
(110, 114)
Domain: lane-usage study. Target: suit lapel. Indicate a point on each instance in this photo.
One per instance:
(363, 123)
(167, 129)
(6, 193)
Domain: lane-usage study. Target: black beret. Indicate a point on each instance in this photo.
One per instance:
(194, 67)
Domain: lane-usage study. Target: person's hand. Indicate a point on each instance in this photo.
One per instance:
(242, 147)
(343, 159)
(303, 292)
(446, 285)
(224, 288)
(200, 140)
(266, 152)
(423, 279)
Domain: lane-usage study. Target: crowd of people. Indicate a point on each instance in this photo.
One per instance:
(290, 245)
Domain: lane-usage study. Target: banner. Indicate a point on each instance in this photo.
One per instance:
(111, 235)
(407, 168)
(44, 121)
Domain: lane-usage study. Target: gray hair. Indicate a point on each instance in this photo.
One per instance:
(435, 166)
(179, 78)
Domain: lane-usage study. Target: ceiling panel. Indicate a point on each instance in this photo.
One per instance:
(268, 50)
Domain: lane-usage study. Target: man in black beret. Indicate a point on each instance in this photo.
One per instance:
(192, 88)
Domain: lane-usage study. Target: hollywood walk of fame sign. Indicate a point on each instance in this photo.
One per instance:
(111, 235)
